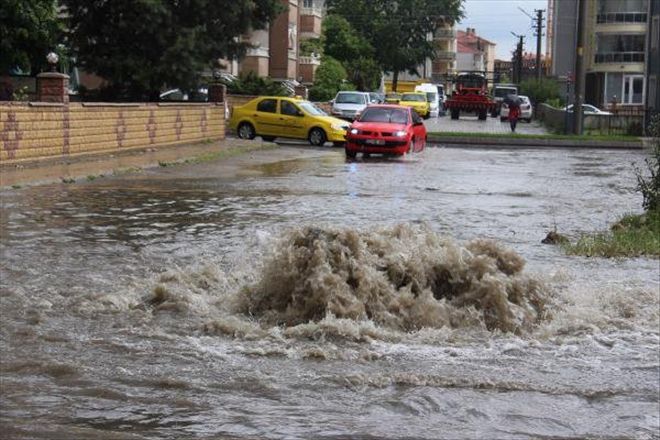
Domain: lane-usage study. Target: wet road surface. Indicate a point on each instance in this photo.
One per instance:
(302, 299)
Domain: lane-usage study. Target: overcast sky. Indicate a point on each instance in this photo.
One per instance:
(494, 20)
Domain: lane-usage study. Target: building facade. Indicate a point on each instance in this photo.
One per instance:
(276, 50)
(474, 53)
(615, 50)
(653, 60)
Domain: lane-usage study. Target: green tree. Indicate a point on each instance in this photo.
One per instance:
(143, 46)
(398, 30)
(28, 31)
(343, 43)
(329, 79)
(251, 84)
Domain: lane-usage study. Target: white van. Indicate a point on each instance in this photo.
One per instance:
(432, 97)
(349, 105)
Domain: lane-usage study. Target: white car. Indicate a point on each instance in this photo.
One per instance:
(526, 110)
(432, 97)
(349, 105)
(588, 109)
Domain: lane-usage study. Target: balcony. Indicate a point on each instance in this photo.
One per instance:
(315, 11)
(444, 34)
(445, 55)
(621, 17)
(315, 61)
(619, 57)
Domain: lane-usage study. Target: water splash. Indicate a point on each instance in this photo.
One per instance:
(403, 278)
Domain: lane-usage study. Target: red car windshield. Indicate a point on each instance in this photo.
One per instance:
(389, 115)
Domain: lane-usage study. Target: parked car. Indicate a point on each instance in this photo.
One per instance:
(499, 92)
(348, 105)
(526, 110)
(417, 101)
(376, 98)
(432, 97)
(176, 95)
(392, 130)
(588, 109)
(276, 116)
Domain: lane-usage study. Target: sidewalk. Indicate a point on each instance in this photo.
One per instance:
(470, 124)
(90, 167)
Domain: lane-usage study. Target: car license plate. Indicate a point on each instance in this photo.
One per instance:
(375, 142)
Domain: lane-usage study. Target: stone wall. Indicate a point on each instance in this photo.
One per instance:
(38, 130)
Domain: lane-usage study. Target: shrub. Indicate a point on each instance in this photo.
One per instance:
(329, 79)
(649, 183)
(555, 102)
(252, 84)
(540, 91)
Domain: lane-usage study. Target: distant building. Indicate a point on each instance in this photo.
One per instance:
(474, 52)
(615, 52)
(653, 60)
(503, 71)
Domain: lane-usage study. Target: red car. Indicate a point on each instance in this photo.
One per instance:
(392, 130)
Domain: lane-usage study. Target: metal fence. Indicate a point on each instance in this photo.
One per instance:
(622, 121)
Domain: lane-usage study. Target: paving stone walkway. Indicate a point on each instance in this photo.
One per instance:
(470, 124)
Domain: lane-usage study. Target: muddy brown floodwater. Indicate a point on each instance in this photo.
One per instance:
(314, 298)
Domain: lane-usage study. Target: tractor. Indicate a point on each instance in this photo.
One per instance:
(470, 95)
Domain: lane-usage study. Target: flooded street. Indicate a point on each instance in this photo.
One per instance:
(315, 298)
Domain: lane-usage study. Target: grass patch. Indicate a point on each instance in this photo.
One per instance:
(122, 171)
(632, 236)
(566, 137)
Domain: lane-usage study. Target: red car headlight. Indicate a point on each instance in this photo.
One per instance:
(400, 133)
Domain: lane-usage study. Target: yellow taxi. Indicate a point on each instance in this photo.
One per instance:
(277, 116)
(417, 101)
(392, 98)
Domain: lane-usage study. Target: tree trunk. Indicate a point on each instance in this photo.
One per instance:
(395, 80)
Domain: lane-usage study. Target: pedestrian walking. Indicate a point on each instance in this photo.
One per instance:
(514, 113)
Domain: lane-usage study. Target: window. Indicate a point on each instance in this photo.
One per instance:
(622, 11)
(620, 48)
(267, 105)
(655, 33)
(633, 89)
(288, 108)
(415, 117)
(308, 4)
(351, 98)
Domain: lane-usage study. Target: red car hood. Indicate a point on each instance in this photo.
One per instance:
(379, 126)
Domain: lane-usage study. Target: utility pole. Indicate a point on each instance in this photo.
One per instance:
(539, 35)
(518, 59)
(579, 68)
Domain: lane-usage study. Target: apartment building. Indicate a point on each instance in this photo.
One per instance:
(474, 52)
(276, 50)
(615, 51)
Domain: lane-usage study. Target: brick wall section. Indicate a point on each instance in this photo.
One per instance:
(32, 131)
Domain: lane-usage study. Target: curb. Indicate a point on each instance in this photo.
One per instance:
(526, 142)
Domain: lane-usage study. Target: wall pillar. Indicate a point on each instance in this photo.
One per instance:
(217, 92)
(53, 87)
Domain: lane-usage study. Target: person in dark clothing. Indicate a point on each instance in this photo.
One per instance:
(514, 114)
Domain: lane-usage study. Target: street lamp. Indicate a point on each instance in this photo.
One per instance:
(52, 59)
